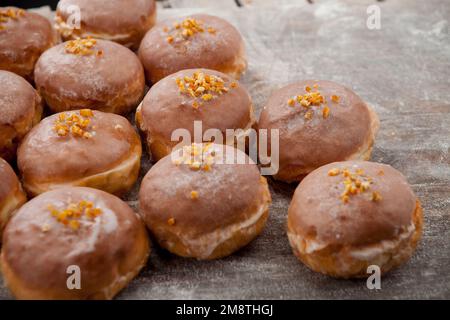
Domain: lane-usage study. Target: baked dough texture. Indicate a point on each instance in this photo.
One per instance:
(90, 73)
(204, 209)
(319, 122)
(121, 21)
(346, 216)
(167, 107)
(196, 41)
(104, 154)
(24, 36)
(43, 245)
(20, 109)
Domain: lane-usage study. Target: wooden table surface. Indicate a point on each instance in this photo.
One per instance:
(403, 71)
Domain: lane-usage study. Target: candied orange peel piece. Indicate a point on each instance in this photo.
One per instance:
(74, 213)
(83, 47)
(186, 29)
(202, 87)
(75, 123)
(355, 182)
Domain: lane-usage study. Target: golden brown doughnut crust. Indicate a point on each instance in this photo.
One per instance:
(346, 132)
(11, 194)
(109, 77)
(165, 108)
(22, 40)
(20, 110)
(361, 231)
(109, 249)
(221, 48)
(122, 21)
(181, 205)
(46, 157)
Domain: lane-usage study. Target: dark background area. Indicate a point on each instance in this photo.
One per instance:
(29, 3)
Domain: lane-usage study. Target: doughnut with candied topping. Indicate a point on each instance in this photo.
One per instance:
(346, 216)
(74, 226)
(197, 41)
(80, 148)
(90, 73)
(178, 100)
(319, 122)
(204, 214)
(121, 21)
(24, 36)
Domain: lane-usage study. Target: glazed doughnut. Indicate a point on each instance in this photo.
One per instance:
(193, 95)
(80, 148)
(319, 122)
(89, 73)
(346, 216)
(24, 36)
(198, 202)
(197, 41)
(73, 227)
(122, 21)
(11, 194)
(20, 110)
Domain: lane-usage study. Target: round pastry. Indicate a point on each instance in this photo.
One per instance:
(24, 36)
(347, 216)
(80, 148)
(73, 243)
(191, 95)
(197, 41)
(11, 194)
(200, 202)
(89, 73)
(20, 110)
(319, 122)
(122, 21)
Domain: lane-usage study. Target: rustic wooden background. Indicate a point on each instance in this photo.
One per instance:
(403, 71)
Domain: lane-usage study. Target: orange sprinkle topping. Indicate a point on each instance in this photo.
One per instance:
(74, 212)
(334, 172)
(325, 112)
(75, 123)
(202, 87)
(198, 156)
(186, 29)
(311, 98)
(171, 221)
(376, 196)
(10, 14)
(335, 98)
(194, 194)
(82, 47)
(207, 96)
(356, 182)
(291, 102)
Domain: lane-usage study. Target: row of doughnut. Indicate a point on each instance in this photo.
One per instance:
(62, 127)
